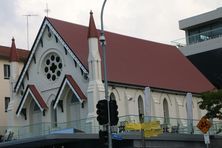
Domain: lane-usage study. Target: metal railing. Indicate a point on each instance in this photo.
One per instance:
(199, 37)
(170, 125)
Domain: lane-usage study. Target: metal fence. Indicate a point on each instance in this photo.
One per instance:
(90, 125)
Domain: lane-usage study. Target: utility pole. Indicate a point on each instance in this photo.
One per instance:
(27, 27)
(103, 43)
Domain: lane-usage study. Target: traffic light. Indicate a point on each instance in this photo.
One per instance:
(102, 112)
(103, 137)
(113, 112)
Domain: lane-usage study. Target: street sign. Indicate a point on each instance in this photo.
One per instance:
(206, 139)
(117, 136)
(204, 125)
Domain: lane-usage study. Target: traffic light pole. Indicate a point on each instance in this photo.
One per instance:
(103, 43)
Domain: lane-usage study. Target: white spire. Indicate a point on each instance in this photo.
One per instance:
(95, 89)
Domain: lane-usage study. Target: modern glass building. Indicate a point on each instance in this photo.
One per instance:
(203, 43)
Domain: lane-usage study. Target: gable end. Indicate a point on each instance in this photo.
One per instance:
(38, 39)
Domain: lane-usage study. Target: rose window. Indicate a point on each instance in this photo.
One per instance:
(52, 66)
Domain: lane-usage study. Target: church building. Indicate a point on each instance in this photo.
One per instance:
(62, 79)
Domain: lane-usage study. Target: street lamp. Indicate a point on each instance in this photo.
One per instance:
(103, 43)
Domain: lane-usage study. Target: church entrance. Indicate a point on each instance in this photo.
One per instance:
(73, 110)
(35, 119)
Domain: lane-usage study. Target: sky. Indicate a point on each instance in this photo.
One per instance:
(154, 20)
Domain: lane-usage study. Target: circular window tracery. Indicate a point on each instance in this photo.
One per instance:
(52, 66)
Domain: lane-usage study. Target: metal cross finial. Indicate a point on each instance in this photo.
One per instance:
(47, 10)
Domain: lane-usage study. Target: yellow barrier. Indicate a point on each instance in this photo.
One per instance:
(150, 128)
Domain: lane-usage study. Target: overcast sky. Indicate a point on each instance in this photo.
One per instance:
(155, 20)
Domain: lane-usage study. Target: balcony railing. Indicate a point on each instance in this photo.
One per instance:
(197, 38)
(173, 125)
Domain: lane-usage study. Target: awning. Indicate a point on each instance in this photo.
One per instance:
(35, 95)
(68, 80)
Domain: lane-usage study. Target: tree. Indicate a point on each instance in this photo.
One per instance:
(212, 102)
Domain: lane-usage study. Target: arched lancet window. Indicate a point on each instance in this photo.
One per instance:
(165, 111)
(140, 109)
(36, 108)
(73, 99)
(112, 96)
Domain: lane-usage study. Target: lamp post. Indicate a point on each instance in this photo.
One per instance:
(103, 43)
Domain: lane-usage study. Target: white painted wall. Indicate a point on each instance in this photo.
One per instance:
(48, 88)
(126, 97)
(5, 90)
(127, 100)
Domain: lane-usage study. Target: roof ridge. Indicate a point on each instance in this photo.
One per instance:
(4, 46)
(114, 33)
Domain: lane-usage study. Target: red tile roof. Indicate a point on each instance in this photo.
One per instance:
(75, 86)
(5, 53)
(137, 62)
(13, 53)
(37, 96)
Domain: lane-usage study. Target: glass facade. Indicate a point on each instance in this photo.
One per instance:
(205, 32)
